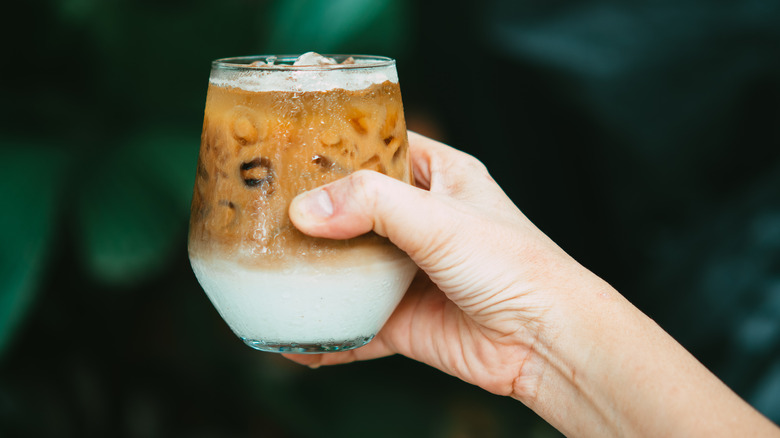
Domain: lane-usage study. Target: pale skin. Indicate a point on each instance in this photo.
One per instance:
(499, 305)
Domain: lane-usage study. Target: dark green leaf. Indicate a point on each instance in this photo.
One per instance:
(329, 26)
(29, 179)
(132, 206)
(170, 157)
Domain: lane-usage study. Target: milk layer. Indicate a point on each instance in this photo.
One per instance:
(305, 304)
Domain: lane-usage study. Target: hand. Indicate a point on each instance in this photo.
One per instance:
(500, 306)
(473, 311)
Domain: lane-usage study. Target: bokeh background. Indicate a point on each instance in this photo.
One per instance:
(644, 137)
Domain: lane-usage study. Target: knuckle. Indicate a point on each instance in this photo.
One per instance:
(474, 164)
(462, 173)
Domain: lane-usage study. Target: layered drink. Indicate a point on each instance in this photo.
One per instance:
(275, 127)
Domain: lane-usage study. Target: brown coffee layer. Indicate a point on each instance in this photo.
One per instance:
(261, 149)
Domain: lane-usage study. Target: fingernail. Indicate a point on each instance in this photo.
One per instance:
(317, 204)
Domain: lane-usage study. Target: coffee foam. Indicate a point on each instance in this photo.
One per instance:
(324, 77)
(305, 303)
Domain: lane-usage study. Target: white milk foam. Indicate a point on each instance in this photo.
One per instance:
(309, 78)
(305, 304)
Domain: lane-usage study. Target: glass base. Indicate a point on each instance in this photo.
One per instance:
(304, 348)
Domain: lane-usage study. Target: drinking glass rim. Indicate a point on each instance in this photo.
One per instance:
(243, 62)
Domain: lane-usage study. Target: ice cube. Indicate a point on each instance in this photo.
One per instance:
(313, 58)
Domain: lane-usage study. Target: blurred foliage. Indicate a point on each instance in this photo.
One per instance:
(643, 137)
(131, 203)
(26, 228)
(328, 26)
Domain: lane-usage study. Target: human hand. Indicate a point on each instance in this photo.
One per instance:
(500, 306)
(474, 310)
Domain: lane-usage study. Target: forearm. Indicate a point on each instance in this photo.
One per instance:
(606, 369)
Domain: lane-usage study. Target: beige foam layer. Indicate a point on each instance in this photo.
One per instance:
(303, 80)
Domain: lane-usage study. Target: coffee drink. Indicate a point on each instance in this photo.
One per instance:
(276, 127)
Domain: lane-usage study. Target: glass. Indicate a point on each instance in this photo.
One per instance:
(273, 130)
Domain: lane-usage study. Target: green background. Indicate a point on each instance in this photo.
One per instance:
(644, 138)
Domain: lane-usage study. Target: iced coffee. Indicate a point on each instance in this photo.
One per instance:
(275, 127)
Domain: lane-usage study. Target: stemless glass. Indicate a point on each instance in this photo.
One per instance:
(273, 130)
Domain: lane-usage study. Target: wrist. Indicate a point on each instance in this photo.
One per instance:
(563, 377)
(603, 368)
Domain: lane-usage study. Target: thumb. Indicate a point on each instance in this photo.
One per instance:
(412, 218)
(464, 233)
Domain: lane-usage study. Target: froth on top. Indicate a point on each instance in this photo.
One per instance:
(359, 74)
